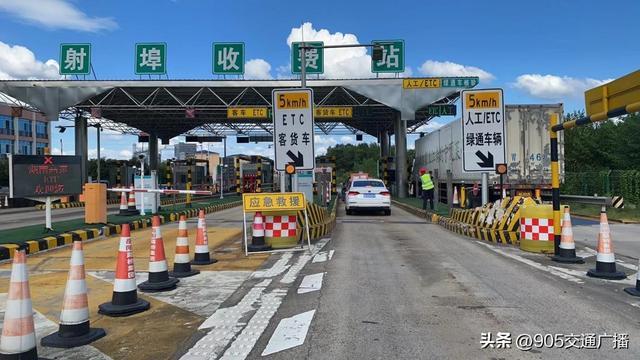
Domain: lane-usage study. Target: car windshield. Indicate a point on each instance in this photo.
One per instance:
(365, 183)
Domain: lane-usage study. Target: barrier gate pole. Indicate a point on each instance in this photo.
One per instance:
(555, 183)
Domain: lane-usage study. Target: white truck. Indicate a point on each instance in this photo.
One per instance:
(527, 151)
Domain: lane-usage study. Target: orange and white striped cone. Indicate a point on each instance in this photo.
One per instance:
(131, 204)
(456, 202)
(181, 261)
(18, 340)
(124, 210)
(257, 234)
(605, 259)
(567, 253)
(635, 291)
(202, 255)
(159, 279)
(125, 299)
(74, 319)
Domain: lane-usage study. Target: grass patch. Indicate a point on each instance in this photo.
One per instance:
(441, 209)
(627, 215)
(34, 232)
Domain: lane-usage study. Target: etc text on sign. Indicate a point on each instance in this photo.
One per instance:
(293, 128)
(75, 59)
(228, 58)
(483, 129)
(273, 201)
(151, 59)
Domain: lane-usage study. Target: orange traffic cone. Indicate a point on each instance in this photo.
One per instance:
(504, 193)
(159, 279)
(181, 261)
(18, 339)
(567, 253)
(605, 259)
(74, 319)
(456, 202)
(257, 234)
(131, 204)
(123, 204)
(635, 291)
(125, 299)
(202, 255)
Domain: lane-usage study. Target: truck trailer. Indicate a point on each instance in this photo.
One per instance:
(528, 155)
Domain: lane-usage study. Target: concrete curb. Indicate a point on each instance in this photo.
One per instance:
(67, 238)
(497, 236)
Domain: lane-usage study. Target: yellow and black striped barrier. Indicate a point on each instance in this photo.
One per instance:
(321, 220)
(67, 238)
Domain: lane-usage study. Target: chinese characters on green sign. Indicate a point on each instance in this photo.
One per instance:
(151, 59)
(75, 59)
(313, 58)
(392, 57)
(228, 58)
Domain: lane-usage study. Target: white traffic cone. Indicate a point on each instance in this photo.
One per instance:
(605, 258)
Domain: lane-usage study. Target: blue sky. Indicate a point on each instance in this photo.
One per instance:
(539, 51)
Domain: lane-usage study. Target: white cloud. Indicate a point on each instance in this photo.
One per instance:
(18, 62)
(552, 87)
(448, 68)
(125, 154)
(324, 140)
(257, 69)
(345, 63)
(430, 126)
(346, 139)
(56, 14)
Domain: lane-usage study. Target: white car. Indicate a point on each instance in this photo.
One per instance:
(368, 194)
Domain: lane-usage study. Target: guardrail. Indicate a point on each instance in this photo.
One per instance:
(593, 200)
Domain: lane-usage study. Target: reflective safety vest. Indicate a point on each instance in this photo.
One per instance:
(427, 184)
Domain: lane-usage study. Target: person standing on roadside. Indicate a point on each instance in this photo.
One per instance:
(427, 189)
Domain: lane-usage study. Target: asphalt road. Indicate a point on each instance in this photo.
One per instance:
(399, 288)
(625, 236)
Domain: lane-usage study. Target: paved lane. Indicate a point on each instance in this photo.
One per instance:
(398, 288)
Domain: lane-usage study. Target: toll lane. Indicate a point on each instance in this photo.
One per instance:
(398, 287)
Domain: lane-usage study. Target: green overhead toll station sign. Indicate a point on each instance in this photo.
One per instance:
(228, 58)
(75, 59)
(392, 57)
(314, 58)
(151, 59)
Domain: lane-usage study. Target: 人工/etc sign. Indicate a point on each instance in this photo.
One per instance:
(483, 129)
(293, 128)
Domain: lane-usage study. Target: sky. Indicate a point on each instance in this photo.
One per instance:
(542, 51)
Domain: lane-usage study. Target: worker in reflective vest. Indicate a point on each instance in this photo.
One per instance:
(427, 189)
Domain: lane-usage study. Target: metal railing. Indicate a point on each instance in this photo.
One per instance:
(593, 200)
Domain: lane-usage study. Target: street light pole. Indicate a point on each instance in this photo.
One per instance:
(98, 129)
(224, 155)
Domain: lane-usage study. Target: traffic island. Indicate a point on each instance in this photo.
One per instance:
(77, 230)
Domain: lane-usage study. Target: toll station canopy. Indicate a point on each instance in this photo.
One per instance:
(168, 108)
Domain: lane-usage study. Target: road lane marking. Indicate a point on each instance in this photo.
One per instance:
(276, 269)
(311, 283)
(291, 332)
(549, 269)
(244, 343)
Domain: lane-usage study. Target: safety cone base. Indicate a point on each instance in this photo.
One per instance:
(58, 341)
(633, 291)
(27, 355)
(568, 260)
(182, 274)
(609, 275)
(110, 309)
(166, 285)
(209, 261)
(254, 247)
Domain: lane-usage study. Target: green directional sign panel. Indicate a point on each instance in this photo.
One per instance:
(392, 57)
(228, 58)
(314, 58)
(466, 82)
(151, 59)
(75, 59)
